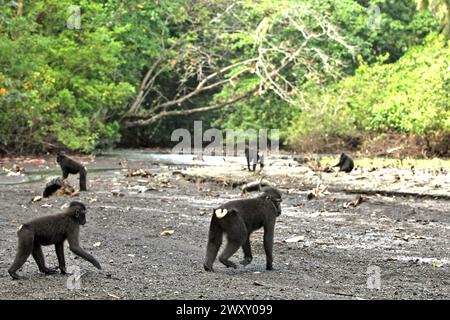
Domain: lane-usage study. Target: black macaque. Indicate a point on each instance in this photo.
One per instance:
(57, 186)
(47, 230)
(73, 167)
(254, 186)
(345, 163)
(253, 157)
(238, 219)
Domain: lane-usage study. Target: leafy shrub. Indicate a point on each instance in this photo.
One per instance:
(408, 96)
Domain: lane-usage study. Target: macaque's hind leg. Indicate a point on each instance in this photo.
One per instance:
(214, 242)
(83, 174)
(230, 249)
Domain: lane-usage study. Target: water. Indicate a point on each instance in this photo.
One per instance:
(37, 176)
(23, 178)
(171, 159)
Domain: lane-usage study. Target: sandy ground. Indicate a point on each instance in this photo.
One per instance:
(388, 247)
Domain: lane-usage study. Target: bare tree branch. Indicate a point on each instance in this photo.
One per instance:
(271, 57)
(146, 84)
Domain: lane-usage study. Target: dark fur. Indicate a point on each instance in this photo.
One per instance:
(345, 163)
(244, 217)
(47, 230)
(254, 157)
(73, 167)
(57, 184)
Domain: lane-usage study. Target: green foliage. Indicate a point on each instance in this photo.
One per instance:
(58, 81)
(70, 87)
(400, 26)
(408, 96)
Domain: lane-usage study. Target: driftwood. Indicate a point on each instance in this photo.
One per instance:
(235, 182)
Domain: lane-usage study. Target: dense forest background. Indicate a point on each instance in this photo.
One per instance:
(329, 74)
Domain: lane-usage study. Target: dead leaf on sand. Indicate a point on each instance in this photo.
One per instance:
(139, 173)
(354, 203)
